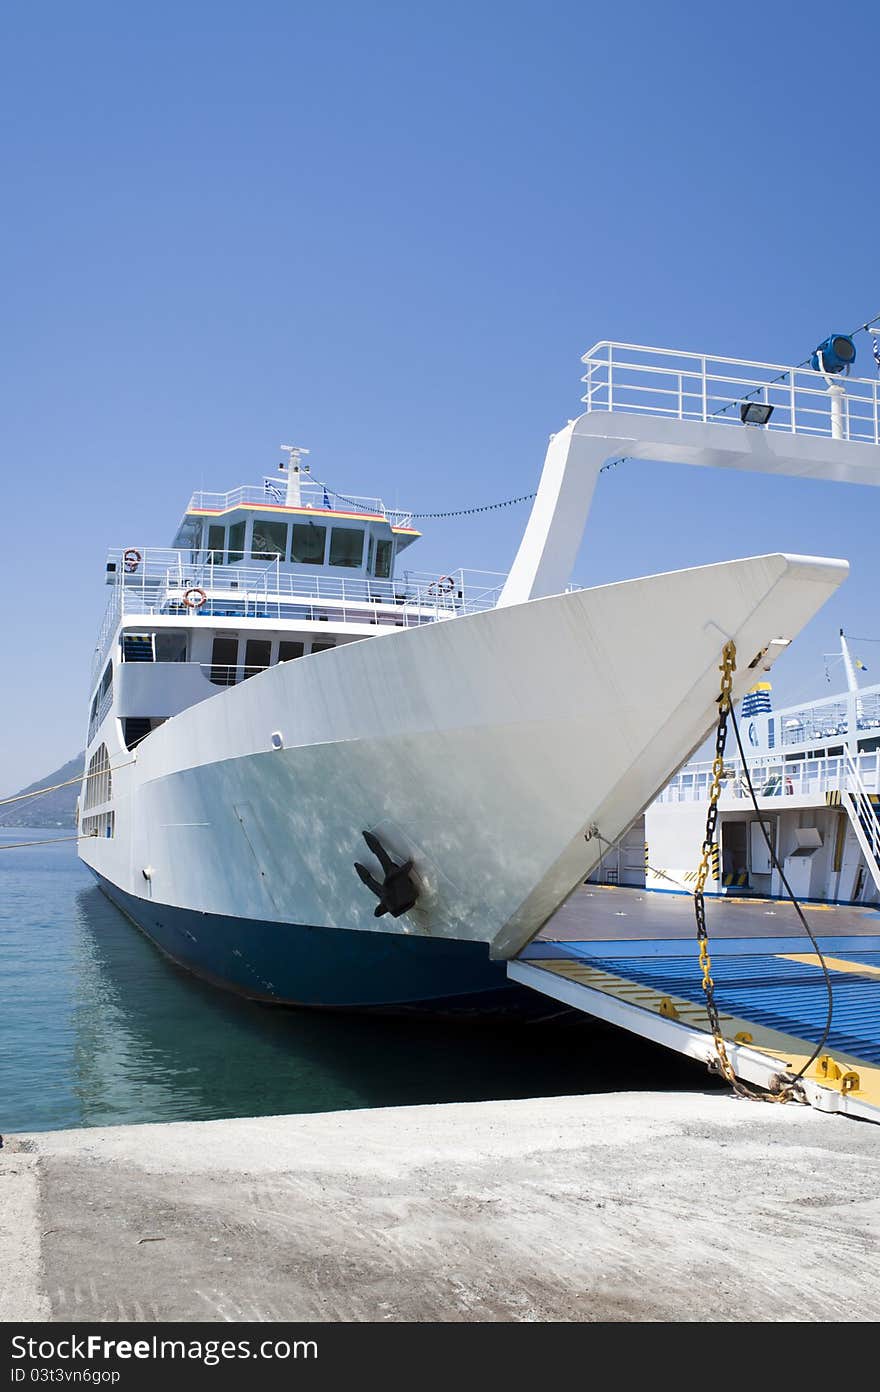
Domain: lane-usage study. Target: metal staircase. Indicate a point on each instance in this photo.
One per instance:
(864, 815)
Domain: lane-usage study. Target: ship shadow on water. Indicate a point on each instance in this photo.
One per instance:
(153, 1043)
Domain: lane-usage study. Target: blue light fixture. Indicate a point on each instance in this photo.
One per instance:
(838, 352)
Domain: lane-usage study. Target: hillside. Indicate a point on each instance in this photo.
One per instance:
(53, 809)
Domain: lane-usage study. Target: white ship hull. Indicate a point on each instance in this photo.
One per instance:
(485, 748)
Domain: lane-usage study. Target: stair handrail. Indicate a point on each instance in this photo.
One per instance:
(864, 807)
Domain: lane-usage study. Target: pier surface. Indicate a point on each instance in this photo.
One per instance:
(624, 1206)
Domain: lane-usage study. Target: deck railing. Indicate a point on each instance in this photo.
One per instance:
(826, 719)
(777, 778)
(160, 583)
(630, 377)
(273, 492)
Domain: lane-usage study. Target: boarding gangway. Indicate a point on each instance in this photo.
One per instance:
(690, 408)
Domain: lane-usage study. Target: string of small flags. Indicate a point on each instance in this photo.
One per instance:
(470, 511)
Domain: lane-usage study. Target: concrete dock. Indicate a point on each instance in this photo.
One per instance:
(624, 1206)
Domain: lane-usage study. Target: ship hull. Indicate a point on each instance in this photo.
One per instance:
(302, 965)
(499, 752)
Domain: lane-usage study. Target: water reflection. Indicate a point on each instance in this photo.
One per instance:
(154, 1043)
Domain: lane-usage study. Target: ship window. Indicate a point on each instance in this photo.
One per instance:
(104, 824)
(269, 540)
(371, 551)
(236, 541)
(216, 544)
(307, 546)
(256, 655)
(170, 647)
(383, 559)
(98, 782)
(346, 546)
(224, 657)
(321, 647)
(288, 651)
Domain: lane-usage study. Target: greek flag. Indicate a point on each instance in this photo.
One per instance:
(326, 502)
(274, 491)
(875, 348)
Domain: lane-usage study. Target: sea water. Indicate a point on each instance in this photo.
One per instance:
(97, 1028)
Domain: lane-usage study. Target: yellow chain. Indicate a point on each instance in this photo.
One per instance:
(727, 669)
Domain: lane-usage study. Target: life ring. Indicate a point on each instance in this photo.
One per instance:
(194, 597)
(445, 585)
(131, 559)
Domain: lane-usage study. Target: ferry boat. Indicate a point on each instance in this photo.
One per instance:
(316, 777)
(815, 770)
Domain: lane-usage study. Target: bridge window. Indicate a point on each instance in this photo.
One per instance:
(236, 541)
(216, 544)
(269, 540)
(288, 651)
(384, 551)
(256, 655)
(322, 647)
(346, 546)
(308, 542)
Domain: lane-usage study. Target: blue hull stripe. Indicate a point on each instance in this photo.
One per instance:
(294, 964)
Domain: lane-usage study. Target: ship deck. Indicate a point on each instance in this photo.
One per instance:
(629, 956)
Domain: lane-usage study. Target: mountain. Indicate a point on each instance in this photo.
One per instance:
(53, 809)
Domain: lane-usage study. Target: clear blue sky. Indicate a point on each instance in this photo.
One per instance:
(388, 231)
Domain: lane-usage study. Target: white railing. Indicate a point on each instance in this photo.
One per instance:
(825, 719)
(272, 591)
(273, 493)
(777, 778)
(693, 386)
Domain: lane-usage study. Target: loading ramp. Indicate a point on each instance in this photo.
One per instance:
(629, 957)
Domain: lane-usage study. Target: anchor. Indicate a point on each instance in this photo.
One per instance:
(397, 893)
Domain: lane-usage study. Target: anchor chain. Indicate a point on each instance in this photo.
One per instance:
(722, 1063)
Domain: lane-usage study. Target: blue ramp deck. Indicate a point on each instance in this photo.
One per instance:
(769, 987)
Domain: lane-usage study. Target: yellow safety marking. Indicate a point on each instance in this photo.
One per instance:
(299, 511)
(632, 992)
(842, 824)
(789, 1051)
(840, 964)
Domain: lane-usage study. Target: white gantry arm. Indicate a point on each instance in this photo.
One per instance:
(691, 430)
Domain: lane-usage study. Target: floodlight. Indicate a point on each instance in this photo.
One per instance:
(755, 412)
